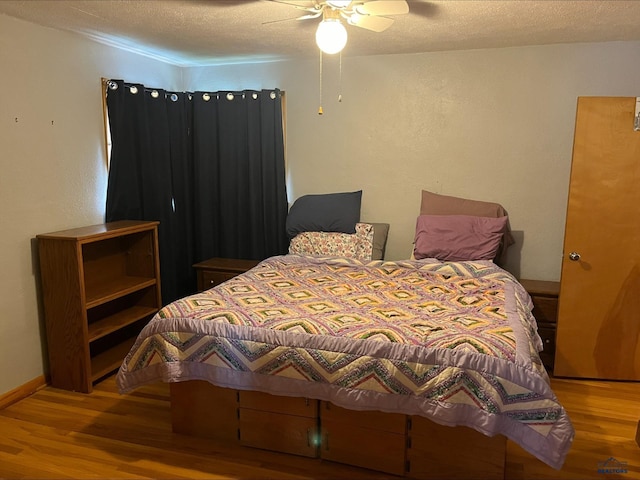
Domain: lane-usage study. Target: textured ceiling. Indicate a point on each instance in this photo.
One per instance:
(210, 32)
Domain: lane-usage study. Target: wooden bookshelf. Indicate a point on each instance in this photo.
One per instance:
(100, 285)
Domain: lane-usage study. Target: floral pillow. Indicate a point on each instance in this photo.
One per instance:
(357, 245)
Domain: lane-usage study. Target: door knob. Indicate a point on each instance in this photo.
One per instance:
(574, 256)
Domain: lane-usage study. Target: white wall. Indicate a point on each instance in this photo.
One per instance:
(487, 124)
(494, 125)
(52, 164)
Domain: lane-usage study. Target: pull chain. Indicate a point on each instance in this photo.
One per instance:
(320, 108)
(340, 80)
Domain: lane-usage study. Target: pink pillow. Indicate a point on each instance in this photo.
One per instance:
(436, 204)
(458, 237)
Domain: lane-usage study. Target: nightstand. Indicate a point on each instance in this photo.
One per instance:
(214, 271)
(544, 295)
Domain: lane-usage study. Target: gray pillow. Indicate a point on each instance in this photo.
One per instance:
(380, 233)
(330, 212)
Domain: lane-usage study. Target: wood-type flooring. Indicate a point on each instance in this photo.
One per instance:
(60, 434)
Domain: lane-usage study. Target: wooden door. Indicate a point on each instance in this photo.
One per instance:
(599, 306)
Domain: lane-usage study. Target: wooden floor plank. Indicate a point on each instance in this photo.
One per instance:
(60, 434)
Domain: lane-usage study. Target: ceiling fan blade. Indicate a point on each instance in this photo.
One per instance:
(269, 22)
(376, 24)
(383, 7)
(303, 17)
(294, 4)
(310, 15)
(312, 7)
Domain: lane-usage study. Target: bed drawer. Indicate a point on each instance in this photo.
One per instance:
(279, 432)
(302, 407)
(344, 432)
(459, 452)
(386, 422)
(192, 412)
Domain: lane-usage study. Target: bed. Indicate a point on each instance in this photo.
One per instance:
(360, 361)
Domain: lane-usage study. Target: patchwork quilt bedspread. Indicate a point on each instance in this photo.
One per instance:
(454, 342)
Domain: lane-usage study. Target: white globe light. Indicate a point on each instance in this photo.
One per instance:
(331, 36)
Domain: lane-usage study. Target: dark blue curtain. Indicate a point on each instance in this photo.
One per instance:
(208, 166)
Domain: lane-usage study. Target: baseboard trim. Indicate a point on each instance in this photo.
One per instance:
(23, 391)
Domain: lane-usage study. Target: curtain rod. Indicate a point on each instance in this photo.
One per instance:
(113, 85)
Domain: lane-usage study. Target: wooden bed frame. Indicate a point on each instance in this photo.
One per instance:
(403, 445)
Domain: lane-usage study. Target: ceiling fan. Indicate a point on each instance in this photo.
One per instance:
(331, 35)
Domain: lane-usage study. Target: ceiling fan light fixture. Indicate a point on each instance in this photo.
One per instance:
(339, 4)
(354, 18)
(331, 36)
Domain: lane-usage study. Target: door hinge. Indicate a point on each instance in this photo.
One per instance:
(636, 118)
